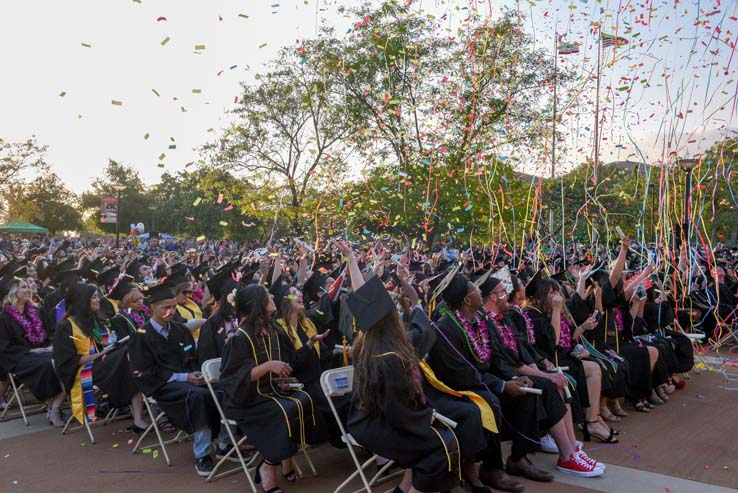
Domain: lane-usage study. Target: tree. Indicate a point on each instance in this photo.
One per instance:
(47, 202)
(16, 160)
(287, 124)
(134, 201)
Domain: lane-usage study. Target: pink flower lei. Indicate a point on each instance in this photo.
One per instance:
(619, 323)
(565, 334)
(507, 333)
(528, 324)
(478, 341)
(138, 319)
(32, 328)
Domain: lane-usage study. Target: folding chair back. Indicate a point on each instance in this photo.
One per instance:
(337, 383)
(211, 374)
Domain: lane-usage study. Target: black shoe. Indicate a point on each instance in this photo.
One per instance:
(221, 452)
(204, 466)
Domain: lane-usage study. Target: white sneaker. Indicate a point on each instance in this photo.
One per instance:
(548, 445)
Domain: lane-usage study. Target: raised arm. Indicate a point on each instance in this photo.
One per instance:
(357, 280)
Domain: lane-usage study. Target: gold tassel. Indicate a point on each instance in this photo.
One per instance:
(345, 352)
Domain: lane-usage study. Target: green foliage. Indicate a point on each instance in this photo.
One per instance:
(17, 160)
(45, 201)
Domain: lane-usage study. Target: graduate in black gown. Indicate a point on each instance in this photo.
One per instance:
(390, 414)
(83, 356)
(25, 348)
(222, 322)
(274, 417)
(307, 349)
(164, 364)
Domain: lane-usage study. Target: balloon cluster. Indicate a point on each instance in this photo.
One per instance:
(137, 229)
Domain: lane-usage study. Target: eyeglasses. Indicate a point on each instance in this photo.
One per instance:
(187, 292)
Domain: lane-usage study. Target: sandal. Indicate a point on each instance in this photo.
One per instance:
(617, 409)
(257, 478)
(290, 476)
(641, 407)
(167, 427)
(609, 416)
(611, 438)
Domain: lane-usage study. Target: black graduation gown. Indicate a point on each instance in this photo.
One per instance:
(153, 361)
(212, 338)
(306, 368)
(35, 370)
(558, 355)
(123, 325)
(111, 372)
(402, 431)
(274, 421)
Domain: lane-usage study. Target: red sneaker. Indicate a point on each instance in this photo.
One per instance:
(578, 466)
(581, 453)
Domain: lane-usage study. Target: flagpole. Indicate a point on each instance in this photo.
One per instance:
(597, 115)
(553, 137)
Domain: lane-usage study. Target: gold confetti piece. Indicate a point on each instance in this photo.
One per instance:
(162, 156)
(262, 45)
(161, 165)
(155, 92)
(244, 16)
(165, 40)
(200, 238)
(146, 136)
(197, 91)
(115, 445)
(62, 94)
(87, 45)
(115, 102)
(223, 223)
(197, 201)
(199, 47)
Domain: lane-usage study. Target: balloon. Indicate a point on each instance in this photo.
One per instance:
(140, 228)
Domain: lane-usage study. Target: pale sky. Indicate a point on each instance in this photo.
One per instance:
(43, 55)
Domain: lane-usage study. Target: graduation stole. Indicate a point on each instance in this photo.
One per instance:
(488, 416)
(82, 392)
(190, 310)
(307, 325)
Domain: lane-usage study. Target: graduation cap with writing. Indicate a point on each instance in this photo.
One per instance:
(125, 285)
(160, 292)
(532, 286)
(107, 277)
(370, 304)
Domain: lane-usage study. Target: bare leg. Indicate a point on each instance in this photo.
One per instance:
(653, 356)
(268, 476)
(563, 434)
(56, 401)
(137, 411)
(407, 481)
(594, 385)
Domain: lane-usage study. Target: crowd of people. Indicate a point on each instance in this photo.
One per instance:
(507, 343)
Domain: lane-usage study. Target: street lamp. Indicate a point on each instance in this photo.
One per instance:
(118, 189)
(687, 165)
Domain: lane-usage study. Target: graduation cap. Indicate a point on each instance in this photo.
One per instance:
(160, 292)
(222, 282)
(455, 290)
(91, 269)
(533, 283)
(21, 272)
(488, 286)
(200, 270)
(125, 285)
(178, 277)
(133, 267)
(107, 277)
(313, 285)
(67, 276)
(9, 268)
(370, 304)
(178, 268)
(560, 277)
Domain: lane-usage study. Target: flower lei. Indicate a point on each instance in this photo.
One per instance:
(508, 335)
(478, 342)
(565, 333)
(619, 323)
(138, 319)
(146, 311)
(32, 328)
(528, 324)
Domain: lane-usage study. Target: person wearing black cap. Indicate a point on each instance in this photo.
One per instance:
(254, 375)
(164, 364)
(390, 414)
(461, 360)
(25, 349)
(188, 312)
(223, 322)
(83, 356)
(507, 348)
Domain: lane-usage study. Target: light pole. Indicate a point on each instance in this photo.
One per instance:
(118, 189)
(153, 216)
(687, 165)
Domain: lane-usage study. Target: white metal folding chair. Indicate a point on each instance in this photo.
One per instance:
(181, 436)
(17, 397)
(336, 383)
(211, 374)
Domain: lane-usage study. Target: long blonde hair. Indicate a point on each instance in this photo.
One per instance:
(11, 299)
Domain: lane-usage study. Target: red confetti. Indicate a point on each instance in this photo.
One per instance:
(159, 19)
